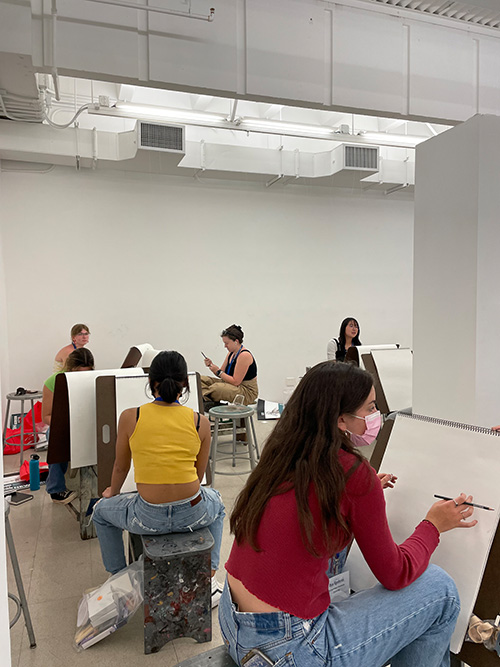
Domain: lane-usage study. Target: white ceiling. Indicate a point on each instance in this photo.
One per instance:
(480, 12)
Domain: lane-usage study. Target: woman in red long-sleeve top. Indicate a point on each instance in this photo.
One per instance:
(311, 493)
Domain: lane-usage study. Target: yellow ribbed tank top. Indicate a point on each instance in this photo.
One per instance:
(165, 445)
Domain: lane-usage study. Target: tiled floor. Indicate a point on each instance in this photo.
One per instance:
(57, 567)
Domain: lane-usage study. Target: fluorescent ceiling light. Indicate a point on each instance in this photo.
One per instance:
(263, 124)
(410, 140)
(143, 111)
(249, 124)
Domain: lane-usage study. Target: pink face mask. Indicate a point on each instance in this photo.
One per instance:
(373, 423)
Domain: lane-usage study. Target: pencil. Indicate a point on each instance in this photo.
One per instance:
(481, 507)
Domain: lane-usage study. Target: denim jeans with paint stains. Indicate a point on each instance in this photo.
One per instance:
(131, 512)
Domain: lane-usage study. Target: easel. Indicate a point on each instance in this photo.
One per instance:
(59, 452)
(488, 599)
(76, 442)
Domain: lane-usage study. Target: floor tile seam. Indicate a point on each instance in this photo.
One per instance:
(74, 596)
(61, 598)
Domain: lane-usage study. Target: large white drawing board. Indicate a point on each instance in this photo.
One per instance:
(143, 348)
(133, 391)
(437, 457)
(366, 349)
(148, 356)
(395, 368)
(82, 421)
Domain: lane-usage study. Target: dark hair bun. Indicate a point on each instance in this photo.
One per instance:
(234, 332)
(168, 375)
(169, 390)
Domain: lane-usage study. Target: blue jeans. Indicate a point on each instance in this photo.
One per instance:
(411, 627)
(130, 512)
(55, 479)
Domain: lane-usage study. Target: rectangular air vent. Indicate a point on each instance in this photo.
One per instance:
(156, 137)
(360, 157)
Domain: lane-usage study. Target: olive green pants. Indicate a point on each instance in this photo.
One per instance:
(215, 389)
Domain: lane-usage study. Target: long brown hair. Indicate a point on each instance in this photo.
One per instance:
(303, 449)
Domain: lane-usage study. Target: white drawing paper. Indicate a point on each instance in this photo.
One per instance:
(82, 413)
(395, 369)
(438, 458)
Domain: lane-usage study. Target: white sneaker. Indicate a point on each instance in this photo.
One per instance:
(216, 592)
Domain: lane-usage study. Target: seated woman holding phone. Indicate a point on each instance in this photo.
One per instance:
(237, 375)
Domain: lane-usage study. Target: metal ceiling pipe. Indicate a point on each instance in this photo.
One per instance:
(158, 10)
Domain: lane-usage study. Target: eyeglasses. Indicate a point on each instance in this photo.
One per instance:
(83, 333)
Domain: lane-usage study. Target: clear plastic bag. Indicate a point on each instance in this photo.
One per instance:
(105, 609)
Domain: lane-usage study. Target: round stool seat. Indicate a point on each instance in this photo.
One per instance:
(35, 396)
(230, 412)
(234, 413)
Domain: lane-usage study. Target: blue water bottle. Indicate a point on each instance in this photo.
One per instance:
(34, 472)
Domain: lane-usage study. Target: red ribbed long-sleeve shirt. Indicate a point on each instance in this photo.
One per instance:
(285, 575)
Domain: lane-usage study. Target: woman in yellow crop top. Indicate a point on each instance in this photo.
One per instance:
(169, 444)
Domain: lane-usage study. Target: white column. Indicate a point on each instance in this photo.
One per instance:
(456, 327)
(4, 603)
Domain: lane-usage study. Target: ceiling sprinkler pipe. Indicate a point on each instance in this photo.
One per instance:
(55, 76)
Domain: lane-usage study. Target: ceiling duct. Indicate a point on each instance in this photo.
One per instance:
(157, 137)
(345, 166)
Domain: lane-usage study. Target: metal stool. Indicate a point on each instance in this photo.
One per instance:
(21, 602)
(22, 398)
(228, 412)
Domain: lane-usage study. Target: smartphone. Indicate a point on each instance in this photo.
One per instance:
(256, 658)
(19, 498)
(204, 355)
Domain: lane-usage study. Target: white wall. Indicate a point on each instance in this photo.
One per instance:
(172, 261)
